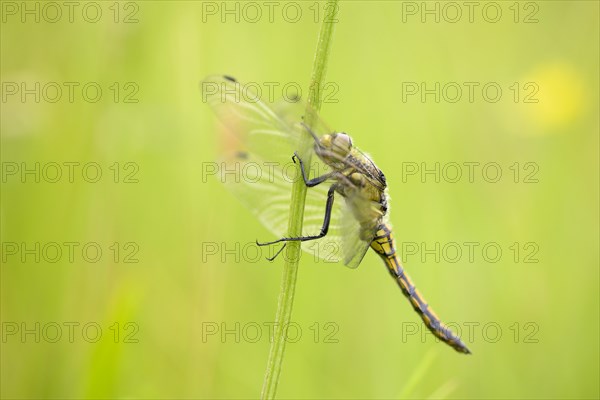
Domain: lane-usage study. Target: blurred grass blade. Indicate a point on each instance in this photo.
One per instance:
(444, 391)
(417, 375)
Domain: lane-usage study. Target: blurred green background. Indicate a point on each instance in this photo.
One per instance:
(535, 325)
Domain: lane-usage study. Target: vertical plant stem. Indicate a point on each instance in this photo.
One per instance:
(290, 270)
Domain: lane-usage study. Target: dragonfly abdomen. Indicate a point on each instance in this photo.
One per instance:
(384, 245)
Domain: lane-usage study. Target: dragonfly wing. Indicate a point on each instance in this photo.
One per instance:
(353, 245)
(250, 121)
(259, 170)
(357, 236)
(266, 192)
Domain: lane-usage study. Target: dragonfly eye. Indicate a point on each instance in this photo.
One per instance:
(341, 143)
(324, 143)
(334, 148)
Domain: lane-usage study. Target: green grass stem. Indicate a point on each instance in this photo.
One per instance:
(290, 269)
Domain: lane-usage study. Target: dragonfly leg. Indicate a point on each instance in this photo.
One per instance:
(324, 228)
(310, 131)
(276, 254)
(310, 182)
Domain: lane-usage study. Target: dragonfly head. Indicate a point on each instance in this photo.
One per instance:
(334, 148)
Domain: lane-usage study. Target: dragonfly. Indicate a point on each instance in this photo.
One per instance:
(338, 176)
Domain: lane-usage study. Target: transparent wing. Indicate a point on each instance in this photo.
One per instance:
(259, 169)
(355, 246)
(268, 132)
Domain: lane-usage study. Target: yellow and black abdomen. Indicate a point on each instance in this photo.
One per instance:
(384, 245)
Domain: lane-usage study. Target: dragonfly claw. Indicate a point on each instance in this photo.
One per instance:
(276, 254)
